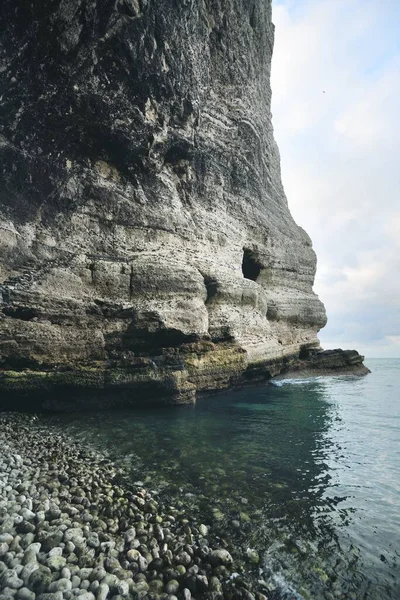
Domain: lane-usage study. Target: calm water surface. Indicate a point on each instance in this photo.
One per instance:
(307, 472)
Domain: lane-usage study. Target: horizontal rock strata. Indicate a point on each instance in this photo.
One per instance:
(146, 244)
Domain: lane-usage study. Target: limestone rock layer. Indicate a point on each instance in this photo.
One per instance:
(145, 238)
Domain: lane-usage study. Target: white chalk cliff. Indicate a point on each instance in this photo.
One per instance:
(146, 243)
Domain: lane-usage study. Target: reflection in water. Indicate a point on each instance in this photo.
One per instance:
(296, 471)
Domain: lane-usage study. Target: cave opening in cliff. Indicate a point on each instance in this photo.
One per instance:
(251, 267)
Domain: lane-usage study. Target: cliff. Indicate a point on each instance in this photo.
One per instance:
(146, 242)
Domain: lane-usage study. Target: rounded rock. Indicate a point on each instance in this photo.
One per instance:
(220, 557)
(102, 592)
(25, 594)
(61, 585)
(123, 588)
(203, 530)
(11, 580)
(172, 587)
(184, 559)
(133, 555)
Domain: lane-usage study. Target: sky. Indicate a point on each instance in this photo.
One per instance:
(336, 115)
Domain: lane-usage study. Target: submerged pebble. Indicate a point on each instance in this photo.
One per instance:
(72, 526)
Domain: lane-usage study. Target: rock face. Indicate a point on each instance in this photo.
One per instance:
(145, 239)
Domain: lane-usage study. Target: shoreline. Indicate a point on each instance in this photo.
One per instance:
(72, 525)
(79, 389)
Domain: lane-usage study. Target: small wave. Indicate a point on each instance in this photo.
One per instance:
(281, 589)
(284, 590)
(293, 381)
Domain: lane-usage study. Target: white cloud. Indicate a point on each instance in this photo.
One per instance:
(340, 152)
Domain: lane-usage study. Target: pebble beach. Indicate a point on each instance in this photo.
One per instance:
(72, 525)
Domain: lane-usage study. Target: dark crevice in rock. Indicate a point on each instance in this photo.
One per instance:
(5, 295)
(21, 312)
(180, 151)
(308, 351)
(251, 266)
(222, 335)
(131, 283)
(272, 313)
(19, 363)
(211, 287)
(92, 268)
(146, 333)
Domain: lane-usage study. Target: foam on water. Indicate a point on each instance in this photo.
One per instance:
(293, 381)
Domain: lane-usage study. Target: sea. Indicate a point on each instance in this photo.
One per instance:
(305, 472)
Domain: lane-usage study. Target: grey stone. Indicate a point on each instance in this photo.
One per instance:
(215, 584)
(25, 594)
(143, 564)
(220, 557)
(133, 555)
(172, 587)
(102, 591)
(7, 594)
(123, 588)
(56, 563)
(76, 581)
(93, 540)
(66, 573)
(203, 530)
(27, 514)
(39, 579)
(94, 586)
(55, 552)
(52, 541)
(30, 556)
(10, 579)
(130, 535)
(28, 569)
(61, 585)
(98, 573)
(184, 558)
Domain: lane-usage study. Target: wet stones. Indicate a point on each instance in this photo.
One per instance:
(220, 557)
(86, 537)
(11, 580)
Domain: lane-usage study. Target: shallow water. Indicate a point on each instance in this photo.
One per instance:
(307, 472)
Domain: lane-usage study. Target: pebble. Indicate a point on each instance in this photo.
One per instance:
(123, 588)
(172, 587)
(68, 531)
(61, 585)
(11, 580)
(220, 556)
(25, 594)
(133, 555)
(103, 591)
(4, 548)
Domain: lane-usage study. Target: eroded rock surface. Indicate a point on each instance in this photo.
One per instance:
(145, 237)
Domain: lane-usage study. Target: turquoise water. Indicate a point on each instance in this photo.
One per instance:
(306, 472)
